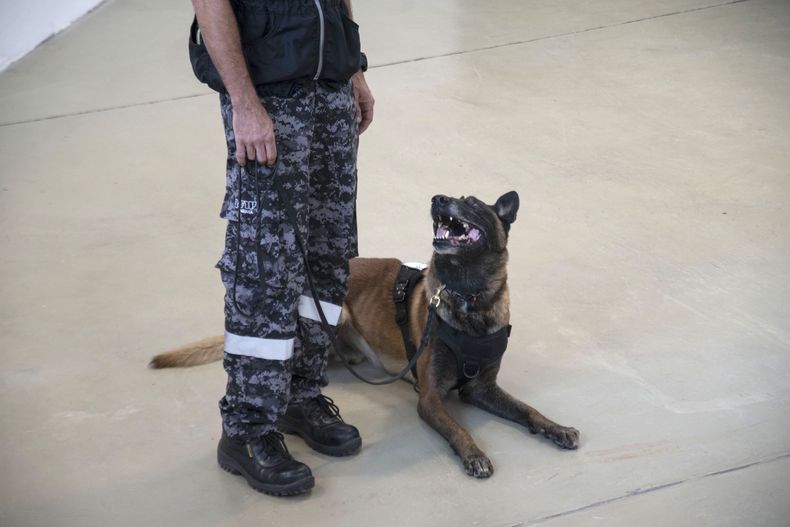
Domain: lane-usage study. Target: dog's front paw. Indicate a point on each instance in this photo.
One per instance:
(563, 436)
(478, 465)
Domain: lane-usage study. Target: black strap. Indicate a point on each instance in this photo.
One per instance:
(405, 282)
(472, 354)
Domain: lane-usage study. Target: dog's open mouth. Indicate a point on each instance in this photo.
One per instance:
(455, 232)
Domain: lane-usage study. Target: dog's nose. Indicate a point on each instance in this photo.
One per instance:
(440, 199)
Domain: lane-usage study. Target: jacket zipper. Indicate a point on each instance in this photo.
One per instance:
(322, 37)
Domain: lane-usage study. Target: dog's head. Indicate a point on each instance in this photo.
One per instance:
(467, 226)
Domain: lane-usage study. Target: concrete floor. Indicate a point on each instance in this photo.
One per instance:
(650, 267)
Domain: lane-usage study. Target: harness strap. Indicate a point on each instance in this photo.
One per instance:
(472, 354)
(405, 282)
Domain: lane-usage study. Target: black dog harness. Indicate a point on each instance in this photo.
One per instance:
(472, 354)
(405, 282)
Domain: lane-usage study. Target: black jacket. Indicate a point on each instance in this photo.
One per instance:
(284, 40)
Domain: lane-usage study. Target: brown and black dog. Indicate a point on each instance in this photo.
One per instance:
(469, 267)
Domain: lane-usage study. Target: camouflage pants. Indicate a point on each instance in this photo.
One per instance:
(275, 349)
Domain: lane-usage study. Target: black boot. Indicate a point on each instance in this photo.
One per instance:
(318, 422)
(266, 464)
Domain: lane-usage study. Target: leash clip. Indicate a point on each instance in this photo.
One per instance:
(436, 298)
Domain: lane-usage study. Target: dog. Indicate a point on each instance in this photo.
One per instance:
(467, 278)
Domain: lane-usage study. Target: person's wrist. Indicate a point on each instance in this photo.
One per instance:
(244, 97)
(359, 76)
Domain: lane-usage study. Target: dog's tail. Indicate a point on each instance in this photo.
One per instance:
(201, 352)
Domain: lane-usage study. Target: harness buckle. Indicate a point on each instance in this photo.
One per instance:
(399, 295)
(436, 299)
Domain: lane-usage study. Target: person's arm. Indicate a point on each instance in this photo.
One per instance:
(252, 127)
(349, 12)
(362, 95)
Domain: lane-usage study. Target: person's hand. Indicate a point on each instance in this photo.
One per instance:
(364, 101)
(254, 132)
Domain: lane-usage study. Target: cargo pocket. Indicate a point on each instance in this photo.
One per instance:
(244, 246)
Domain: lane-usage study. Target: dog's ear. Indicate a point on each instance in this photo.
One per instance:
(506, 207)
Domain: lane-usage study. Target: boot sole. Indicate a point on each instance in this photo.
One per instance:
(346, 449)
(228, 464)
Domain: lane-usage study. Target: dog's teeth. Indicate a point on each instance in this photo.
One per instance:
(451, 218)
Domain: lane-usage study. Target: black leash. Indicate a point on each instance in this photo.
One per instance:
(258, 254)
(432, 305)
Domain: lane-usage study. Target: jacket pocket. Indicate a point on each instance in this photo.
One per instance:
(342, 46)
(289, 51)
(256, 23)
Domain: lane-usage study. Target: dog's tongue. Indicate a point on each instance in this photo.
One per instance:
(441, 231)
(474, 234)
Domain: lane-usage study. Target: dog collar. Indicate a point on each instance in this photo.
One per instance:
(469, 299)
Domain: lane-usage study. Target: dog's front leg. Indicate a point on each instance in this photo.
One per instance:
(432, 411)
(490, 397)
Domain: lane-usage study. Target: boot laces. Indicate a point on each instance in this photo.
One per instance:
(322, 408)
(273, 443)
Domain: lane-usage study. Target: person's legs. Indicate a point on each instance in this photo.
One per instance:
(332, 238)
(331, 241)
(262, 296)
(263, 280)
